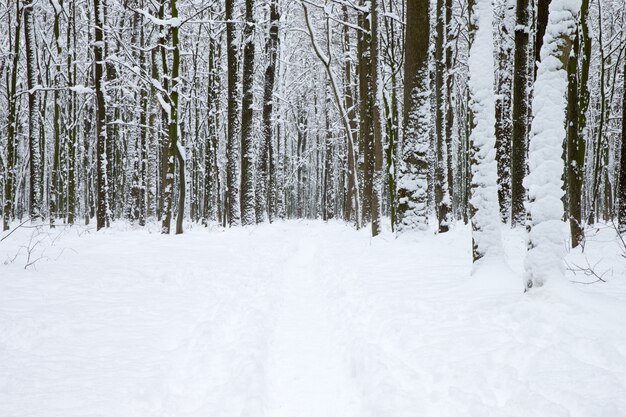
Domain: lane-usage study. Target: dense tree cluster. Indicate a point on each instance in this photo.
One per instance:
(241, 111)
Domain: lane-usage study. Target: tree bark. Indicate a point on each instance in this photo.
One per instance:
(233, 210)
(621, 216)
(520, 114)
(442, 193)
(34, 145)
(413, 171)
(102, 209)
(263, 192)
(247, 145)
(9, 184)
(377, 180)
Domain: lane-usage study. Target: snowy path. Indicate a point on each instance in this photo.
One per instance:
(306, 374)
(300, 319)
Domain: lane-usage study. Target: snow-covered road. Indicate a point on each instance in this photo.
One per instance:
(298, 319)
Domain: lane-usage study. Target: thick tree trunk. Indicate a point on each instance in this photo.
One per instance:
(247, 145)
(233, 211)
(413, 170)
(265, 147)
(484, 208)
(366, 104)
(9, 184)
(55, 189)
(574, 170)
(544, 259)
(34, 144)
(377, 149)
(504, 81)
(442, 192)
(520, 114)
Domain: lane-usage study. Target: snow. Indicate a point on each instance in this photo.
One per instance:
(301, 318)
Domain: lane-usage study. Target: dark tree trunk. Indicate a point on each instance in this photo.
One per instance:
(247, 145)
(34, 144)
(377, 148)
(9, 196)
(413, 172)
(442, 195)
(520, 114)
(102, 210)
(265, 148)
(543, 7)
(574, 171)
(232, 209)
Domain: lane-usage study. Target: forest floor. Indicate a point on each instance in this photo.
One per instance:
(302, 319)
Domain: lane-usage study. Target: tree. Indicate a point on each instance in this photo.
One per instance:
(9, 184)
(34, 154)
(442, 192)
(413, 170)
(233, 209)
(102, 210)
(504, 81)
(175, 148)
(520, 113)
(621, 214)
(484, 208)
(248, 216)
(544, 259)
(264, 200)
(325, 58)
(377, 182)
(577, 103)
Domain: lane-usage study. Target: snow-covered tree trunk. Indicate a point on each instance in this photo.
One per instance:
(621, 194)
(248, 215)
(413, 170)
(520, 112)
(9, 182)
(233, 211)
(36, 167)
(504, 85)
(102, 211)
(544, 259)
(265, 147)
(377, 146)
(442, 192)
(484, 208)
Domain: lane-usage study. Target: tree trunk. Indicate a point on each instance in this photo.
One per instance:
(442, 192)
(34, 145)
(233, 211)
(544, 258)
(377, 180)
(484, 208)
(247, 145)
(520, 114)
(574, 170)
(504, 83)
(175, 153)
(9, 184)
(265, 148)
(413, 171)
(621, 216)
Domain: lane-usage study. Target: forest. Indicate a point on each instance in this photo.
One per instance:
(397, 157)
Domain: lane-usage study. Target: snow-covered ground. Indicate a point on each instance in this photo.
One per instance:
(302, 319)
